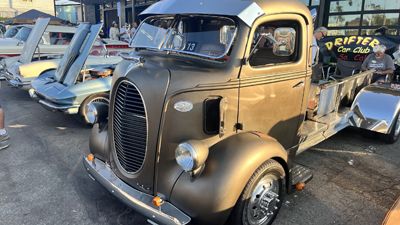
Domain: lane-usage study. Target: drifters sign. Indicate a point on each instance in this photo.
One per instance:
(357, 48)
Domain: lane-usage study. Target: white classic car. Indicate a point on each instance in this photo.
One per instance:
(53, 43)
(54, 40)
(19, 71)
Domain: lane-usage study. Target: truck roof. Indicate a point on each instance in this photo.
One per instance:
(247, 10)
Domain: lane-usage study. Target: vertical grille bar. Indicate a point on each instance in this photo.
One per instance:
(130, 127)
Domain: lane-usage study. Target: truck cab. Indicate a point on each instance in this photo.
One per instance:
(208, 112)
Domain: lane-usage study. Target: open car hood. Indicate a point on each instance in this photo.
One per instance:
(76, 54)
(33, 40)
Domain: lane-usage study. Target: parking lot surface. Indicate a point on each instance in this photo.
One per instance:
(42, 180)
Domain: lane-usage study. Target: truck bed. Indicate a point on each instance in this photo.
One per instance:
(329, 108)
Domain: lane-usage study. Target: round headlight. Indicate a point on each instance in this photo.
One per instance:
(32, 93)
(91, 113)
(191, 155)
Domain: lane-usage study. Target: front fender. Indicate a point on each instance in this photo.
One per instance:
(83, 90)
(210, 197)
(375, 108)
(34, 69)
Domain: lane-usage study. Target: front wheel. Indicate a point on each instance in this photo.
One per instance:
(102, 98)
(394, 134)
(262, 197)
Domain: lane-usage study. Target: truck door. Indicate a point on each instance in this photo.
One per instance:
(273, 79)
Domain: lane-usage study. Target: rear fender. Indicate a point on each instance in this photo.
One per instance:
(375, 108)
(210, 197)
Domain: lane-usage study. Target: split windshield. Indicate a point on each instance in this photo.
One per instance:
(205, 36)
(23, 33)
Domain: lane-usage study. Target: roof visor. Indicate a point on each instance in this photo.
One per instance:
(248, 11)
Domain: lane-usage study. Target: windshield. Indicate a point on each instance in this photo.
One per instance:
(23, 33)
(10, 33)
(205, 36)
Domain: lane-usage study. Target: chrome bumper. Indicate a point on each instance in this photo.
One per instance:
(5, 75)
(139, 201)
(68, 109)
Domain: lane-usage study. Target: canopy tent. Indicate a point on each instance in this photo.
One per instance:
(30, 17)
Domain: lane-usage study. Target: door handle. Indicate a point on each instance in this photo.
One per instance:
(223, 106)
(299, 85)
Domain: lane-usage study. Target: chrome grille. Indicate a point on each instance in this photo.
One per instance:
(130, 127)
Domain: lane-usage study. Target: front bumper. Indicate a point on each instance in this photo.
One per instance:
(142, 203)
(5, 75)
(68, 109)
(14, 82)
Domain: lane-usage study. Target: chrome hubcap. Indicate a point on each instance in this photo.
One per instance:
(264, 201)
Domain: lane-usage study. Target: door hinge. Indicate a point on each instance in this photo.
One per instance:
(239, 126)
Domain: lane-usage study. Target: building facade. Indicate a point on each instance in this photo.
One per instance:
(357, 17)
(11, 8)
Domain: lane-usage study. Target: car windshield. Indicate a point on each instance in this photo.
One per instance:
(10, 33)
(205, 36)
(23, 34)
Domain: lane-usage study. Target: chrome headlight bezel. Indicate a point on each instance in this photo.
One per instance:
(91, 114)
(191, 155)
(96, 112)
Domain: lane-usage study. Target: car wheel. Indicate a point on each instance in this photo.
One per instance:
(103, 98)
(261, 199)
(394, 134)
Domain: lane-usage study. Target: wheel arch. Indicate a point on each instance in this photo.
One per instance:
(215, 192)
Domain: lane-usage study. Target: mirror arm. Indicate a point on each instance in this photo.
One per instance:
(316, 55)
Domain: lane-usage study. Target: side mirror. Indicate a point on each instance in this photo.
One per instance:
(285, 41)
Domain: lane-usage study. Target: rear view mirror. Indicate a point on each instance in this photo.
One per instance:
(285, 43)
(177, 42)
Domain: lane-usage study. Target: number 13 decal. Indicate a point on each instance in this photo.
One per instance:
(191, 46)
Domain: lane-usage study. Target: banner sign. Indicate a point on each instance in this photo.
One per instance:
(357, 48)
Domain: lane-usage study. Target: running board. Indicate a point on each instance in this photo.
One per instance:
(300, 175)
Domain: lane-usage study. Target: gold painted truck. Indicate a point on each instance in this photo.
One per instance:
(210, 109)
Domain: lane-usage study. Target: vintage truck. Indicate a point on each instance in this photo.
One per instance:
(209, 111)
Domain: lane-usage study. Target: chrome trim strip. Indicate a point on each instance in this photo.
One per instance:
(167, 214)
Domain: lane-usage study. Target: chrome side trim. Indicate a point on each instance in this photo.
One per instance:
(167, 214)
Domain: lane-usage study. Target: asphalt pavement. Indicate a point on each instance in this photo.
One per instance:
(42, 180)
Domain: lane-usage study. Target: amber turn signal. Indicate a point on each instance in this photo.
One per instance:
(300, 186)
(90, 157)
(157, 201)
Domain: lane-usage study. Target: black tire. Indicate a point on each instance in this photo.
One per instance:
(102, 97)
(394, 134)
(271, 169)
